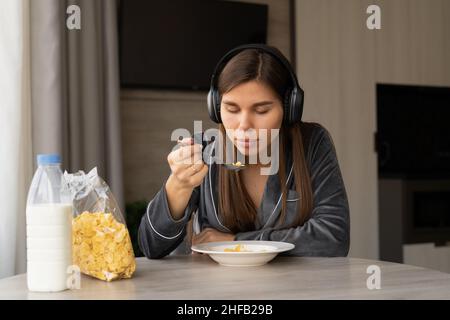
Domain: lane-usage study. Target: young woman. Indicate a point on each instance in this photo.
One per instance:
(304, 203)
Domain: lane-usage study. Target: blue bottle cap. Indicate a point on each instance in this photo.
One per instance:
(45, 159)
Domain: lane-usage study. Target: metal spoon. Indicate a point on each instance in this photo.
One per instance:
(237, 166)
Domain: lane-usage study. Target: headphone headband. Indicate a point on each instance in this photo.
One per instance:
(230, 54)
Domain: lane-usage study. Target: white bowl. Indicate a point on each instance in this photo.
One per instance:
(252, 253)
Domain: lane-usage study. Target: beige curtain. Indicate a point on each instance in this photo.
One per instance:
(15, 133)
(75, 87)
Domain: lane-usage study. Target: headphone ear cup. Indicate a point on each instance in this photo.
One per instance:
(287, 106)
(210, 104)
(216, 98)
(299, 100)
(213, 106)
(296, 105)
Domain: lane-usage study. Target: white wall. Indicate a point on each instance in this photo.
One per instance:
(339, 61)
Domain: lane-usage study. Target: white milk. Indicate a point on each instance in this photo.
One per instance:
(49, 246)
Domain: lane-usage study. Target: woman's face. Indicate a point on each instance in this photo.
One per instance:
(245, 110)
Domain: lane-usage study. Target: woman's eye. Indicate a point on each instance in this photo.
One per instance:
(262, 111)
(233, 110)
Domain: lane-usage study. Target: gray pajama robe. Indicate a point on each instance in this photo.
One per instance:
(326, 233)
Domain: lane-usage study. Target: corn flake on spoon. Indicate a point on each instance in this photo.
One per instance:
(234, 166)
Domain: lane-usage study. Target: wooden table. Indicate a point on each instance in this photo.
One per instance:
(198, 277)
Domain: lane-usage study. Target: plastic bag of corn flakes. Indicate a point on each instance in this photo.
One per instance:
(101, 243)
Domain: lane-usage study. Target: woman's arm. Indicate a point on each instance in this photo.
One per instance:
(327, 232)
(164, 224)
(159, 232)
(177, 197)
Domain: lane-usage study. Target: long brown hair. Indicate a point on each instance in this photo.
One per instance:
(236, 208)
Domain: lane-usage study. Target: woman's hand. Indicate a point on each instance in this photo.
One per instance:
(211, 235)
(186, 164)
(188, 171)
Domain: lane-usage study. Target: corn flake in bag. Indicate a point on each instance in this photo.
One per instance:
(101, 243)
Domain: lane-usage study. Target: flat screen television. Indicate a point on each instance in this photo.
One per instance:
(413, 131)
(176, 44)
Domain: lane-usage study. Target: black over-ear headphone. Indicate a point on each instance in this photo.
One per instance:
(293, 99)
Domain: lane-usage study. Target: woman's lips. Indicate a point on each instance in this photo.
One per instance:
(246, 142)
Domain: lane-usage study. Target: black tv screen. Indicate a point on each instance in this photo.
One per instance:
(413, 131)
(176, 44)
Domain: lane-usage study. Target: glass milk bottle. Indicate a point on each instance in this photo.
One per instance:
(49, 227)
